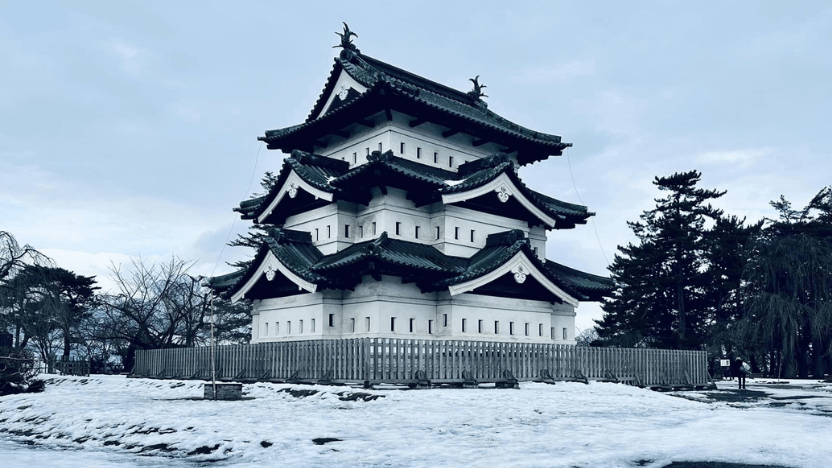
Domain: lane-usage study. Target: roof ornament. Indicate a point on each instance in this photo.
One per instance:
(477, 93)
(346, 40)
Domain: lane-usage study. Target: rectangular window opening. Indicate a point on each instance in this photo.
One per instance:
(368, 151)
(464, 325)
(456, 233)
(479, 326)
(266, 330)
(564, 333)
(437, 232)
(527, 329)
(540, 330)
(392, 324)
(352, 325)
(316, 234)
(347, 231)
(472, 235)
(552, 331)
(418, 153)
(430, 327)
(328, 232)
(444, 320)
(416, 231)
(361, 231)
(313, 326)
(411, 325)
(367, 323)
(277, 328)
(331, 320)
(354, 158)
(401, 148)
(289, 328)
(374, 228)
(398, 227)
(300, 326)
(435, 157)
(379, 147)
(511, 328)
(496, 327)
(450, 161)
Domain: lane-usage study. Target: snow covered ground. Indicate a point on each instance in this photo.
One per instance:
(106, 421)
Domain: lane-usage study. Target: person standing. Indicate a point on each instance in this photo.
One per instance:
(738, 370)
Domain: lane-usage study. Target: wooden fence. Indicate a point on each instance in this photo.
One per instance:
(386, 360)
(80, 368)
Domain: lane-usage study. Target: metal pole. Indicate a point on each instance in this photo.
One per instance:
(213, 356)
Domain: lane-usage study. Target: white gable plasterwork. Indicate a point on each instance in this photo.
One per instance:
(290, 187)
(269, 266)
(521, 267)
(504, 188)
(342, 86)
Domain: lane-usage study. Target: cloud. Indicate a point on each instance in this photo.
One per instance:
(742, 158)
(556, 72)
(133, 59)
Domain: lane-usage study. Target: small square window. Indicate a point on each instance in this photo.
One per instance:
(416, 232)
(418, 153)
(398, 228)
(347, 231)
(437, 232)
(464, 325)
(401, 148)
(331, 320)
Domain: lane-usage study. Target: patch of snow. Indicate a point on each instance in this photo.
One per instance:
(108, 418)
(455, 182)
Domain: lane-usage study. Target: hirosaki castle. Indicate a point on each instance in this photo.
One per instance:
(399, 213)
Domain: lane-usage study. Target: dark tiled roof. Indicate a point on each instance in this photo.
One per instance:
(333, 176)
(592, 286)
(295, 250)
(429, 96)
(393, 251)
(315, 170)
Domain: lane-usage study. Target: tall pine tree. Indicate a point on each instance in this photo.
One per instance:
(660, 300)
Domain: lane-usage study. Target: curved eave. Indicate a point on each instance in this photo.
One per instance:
(384, 95)
(521, 266)
(503, 187)
(289, 187)
(269, 266)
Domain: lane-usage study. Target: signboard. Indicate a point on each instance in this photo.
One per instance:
(725, 362)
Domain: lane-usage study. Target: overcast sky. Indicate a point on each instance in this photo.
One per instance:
(129, 128)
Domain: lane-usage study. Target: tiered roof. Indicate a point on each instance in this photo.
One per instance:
(426, 184)
(390, 88)
(301, 262)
